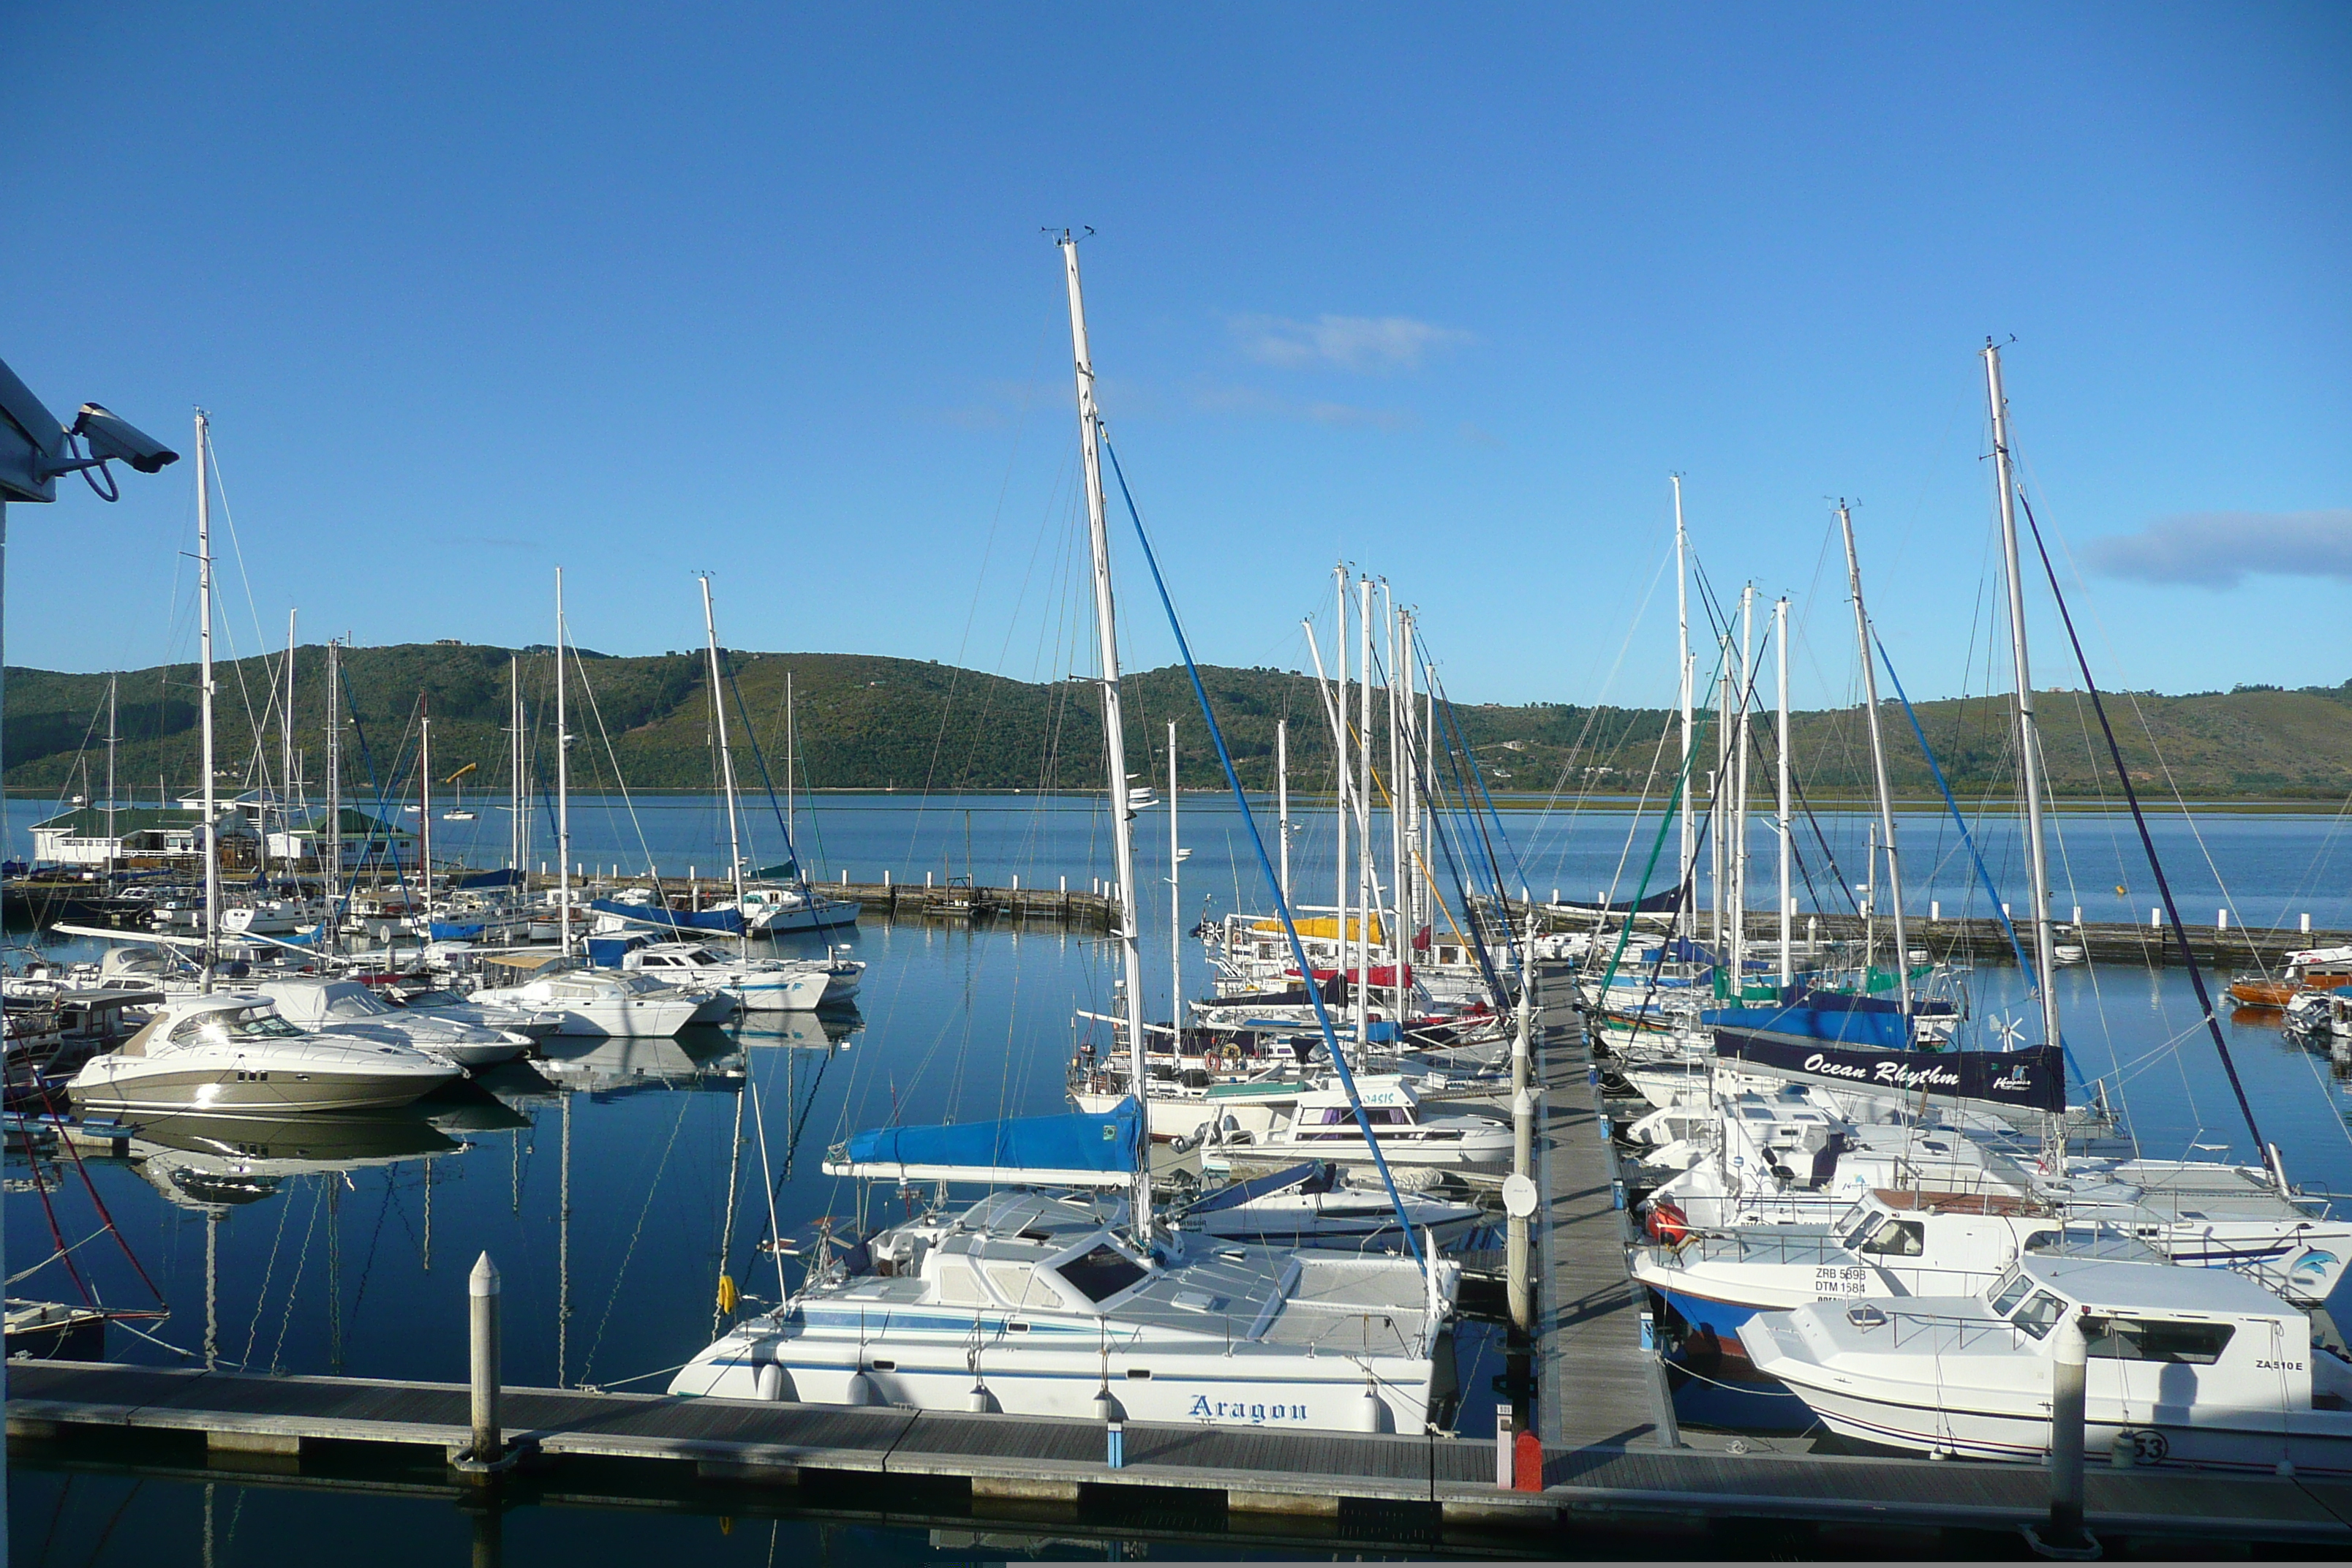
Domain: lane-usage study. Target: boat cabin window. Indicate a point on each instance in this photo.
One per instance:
(237, 1023)
(433, 999)
(2153, 1339)
(1101, 1274)
(357, 1004)
(1896, 1238)
(2039, 1315)
(2007, 1291)
(1852, 1234)
(1022, 1286)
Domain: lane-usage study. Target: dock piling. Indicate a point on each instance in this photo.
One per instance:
(482, 1298)
(2063, 1535)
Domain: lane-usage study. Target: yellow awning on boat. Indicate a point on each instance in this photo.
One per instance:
(1327, 928)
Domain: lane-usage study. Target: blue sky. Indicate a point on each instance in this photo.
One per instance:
(471, 291)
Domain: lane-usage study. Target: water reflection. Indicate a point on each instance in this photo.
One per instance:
(218, 1161)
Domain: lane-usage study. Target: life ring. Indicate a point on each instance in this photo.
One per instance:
(1667, 1225)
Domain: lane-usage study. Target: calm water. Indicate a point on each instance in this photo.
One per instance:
(345, 1248)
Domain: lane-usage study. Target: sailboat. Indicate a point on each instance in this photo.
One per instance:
(1042, 1304)
(1938, 1205)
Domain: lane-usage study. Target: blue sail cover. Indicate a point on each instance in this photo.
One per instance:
(727, 922)
(1064, 1146)
(1854, 1026)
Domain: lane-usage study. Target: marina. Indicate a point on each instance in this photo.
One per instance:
(1611, 1468)
(1561, 813)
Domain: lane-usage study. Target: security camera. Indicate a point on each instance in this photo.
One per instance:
(109, 436)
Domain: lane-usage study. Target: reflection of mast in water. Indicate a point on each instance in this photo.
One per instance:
(727, 1215)
(334, 1274)
(429, 1216)
(212, 1292)
(563, 1244)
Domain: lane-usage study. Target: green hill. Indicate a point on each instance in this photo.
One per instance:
(874, 722)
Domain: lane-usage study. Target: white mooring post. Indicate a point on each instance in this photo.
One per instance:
(886, 876)
(2221, 920)
(2155, 919)
(1935, 912)
(2063, 1535)
(1503, 1439)
(2306, 924)
(482, 1300)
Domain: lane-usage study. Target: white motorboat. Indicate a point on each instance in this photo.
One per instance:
(232, 1053)
(2184, 1368)
(1322, 1126)
(346, 1007)
(272, 916)
(1037, 1305)
(757, 984)
(769, 908)
(598, 1002)
(532, 1024)
(1317, 1205)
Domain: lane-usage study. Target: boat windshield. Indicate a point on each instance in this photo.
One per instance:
(2007, 1291)
(357, 1004)
(2039, 1315)
(1101, 1274)
(261, 1022)
(434, 999)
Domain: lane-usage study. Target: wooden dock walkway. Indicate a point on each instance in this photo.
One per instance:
(1408, 1490)
(1593, 1383)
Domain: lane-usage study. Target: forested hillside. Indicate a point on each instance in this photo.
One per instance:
(874, 722)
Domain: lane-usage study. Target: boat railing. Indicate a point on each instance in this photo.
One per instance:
(1952, 1330)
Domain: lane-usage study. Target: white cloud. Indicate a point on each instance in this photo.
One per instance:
(2219, 550)
(1345, 416)
(1364, 345)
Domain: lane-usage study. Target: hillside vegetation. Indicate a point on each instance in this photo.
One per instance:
(870, 723)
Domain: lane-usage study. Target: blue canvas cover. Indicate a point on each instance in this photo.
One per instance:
(1074, 1140)
(729, 923)
(1854, 1026)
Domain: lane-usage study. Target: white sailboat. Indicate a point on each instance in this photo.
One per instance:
(1043, 1305)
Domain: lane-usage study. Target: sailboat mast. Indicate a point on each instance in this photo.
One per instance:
(1175, 904)
(204, 687)
(725, 772)
(111, 726)
(790, 724)
(1337, 713)
(515, 818)
(333, 868)
(1395, 817)
(1364, 881)
(425, 813)
(1114, 735)
(1878, 773)
(2028, 732)
(285, 733)
(562, 798)
(1738, 845)
(1781, 793)
(1413, 779)
(1686, 670)
(1282, 797)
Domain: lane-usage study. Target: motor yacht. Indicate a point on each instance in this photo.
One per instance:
(234, 1053)
(1321, 1125)
(757, 984)
(1319, 1204)
(346, 1007)
(599, 1001)
(2183, 1367)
